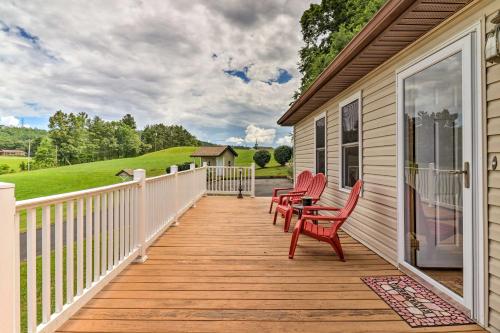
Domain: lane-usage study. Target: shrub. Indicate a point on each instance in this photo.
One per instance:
(283, 154)
(4, 168)
(262, 157)
(180, 167)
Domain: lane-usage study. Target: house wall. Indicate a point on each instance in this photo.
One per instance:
(493, 183)
(228, 156)
(374, 222)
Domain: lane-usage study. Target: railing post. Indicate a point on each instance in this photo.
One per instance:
(9, 257)
(140, 176)
(173, 170)
(205, 165)
(431, 196)
(253, 180)
(192, 167)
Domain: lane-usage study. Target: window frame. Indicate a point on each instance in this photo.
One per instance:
(357, 96)
(319, 117)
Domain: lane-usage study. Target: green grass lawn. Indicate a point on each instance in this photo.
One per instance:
(45, 182)
(13, 161)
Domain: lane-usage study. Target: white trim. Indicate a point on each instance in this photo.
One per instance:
(318, 117)
(357, 96)
(474, 288)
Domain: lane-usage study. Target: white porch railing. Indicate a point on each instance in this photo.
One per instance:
(87, 238)
(436, 186)
(227, 180)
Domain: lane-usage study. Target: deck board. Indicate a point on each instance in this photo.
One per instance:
(225, 268)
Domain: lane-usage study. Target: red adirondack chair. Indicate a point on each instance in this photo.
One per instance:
(308, 226)
(286, 202)
(303, 181)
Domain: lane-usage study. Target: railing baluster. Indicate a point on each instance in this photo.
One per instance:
(70, 260)
(127, 221)
(122, 224)
(79, 247)
(31, 274)
(97, 241)
(59, 257)
(116, 226)
(88, 243)
(104, 233)
(110, 230)
(46, 295)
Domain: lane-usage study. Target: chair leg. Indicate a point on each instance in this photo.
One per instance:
(295, 239)
(275, 215)
(271, 207)
(288, 220)
(337, 247)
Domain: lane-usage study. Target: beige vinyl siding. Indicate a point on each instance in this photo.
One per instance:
(493, 181)
(375, 220)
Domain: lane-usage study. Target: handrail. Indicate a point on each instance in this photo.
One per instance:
(58, 198)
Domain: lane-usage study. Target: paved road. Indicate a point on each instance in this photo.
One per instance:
(264, 187)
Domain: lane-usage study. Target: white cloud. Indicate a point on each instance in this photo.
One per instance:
(9, 121)
(286, 140)
(259, 135)
(162, 61)
(235, 140)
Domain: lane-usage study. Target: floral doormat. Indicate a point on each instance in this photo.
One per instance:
(417, 305)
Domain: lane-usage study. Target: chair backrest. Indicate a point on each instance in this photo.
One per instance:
(350, 204)
(303, 181)
(317, 186)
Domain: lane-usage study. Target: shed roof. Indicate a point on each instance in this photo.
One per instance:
(395, 26)
(213, 151)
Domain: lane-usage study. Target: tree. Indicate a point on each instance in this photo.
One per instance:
(283, 154)
(129, 120)
(262, 157)
(326, 29)
(45, 156)
(160, 136)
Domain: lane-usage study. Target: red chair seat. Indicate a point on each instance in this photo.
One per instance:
(312, 229)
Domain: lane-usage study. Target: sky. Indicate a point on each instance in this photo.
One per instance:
(226, 70)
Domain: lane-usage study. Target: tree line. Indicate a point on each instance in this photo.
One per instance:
(78, 138)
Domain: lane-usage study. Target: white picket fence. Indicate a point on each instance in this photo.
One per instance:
(114, 225)
(228, 179)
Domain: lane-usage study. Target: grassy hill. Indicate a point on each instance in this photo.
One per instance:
(13, 162)
(83, 176)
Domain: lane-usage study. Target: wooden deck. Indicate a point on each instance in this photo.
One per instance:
(225, 269)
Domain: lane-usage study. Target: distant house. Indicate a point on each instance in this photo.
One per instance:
(12, 152)
(216, 156)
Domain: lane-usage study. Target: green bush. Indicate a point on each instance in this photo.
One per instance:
(283, 154)
(4, 168)
(262, 157)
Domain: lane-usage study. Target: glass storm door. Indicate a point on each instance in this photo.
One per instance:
(436, 150)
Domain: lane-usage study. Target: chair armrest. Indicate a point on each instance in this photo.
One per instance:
(277, 189)
(316, 208)
(290, 195)
(321, 218)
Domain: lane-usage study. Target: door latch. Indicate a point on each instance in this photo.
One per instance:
(465, 172)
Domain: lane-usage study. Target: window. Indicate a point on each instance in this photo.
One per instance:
(350, 150)
(320, 143)
(229, 163)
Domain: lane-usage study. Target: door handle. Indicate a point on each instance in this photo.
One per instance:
(465, 172)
